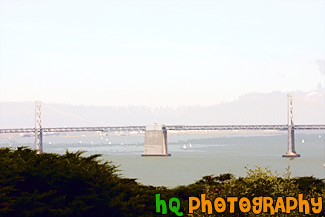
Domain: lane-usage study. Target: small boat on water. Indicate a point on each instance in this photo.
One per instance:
(302, 141)
(190, 145)
(184, 146)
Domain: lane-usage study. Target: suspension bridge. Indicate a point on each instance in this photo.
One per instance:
(156, 135)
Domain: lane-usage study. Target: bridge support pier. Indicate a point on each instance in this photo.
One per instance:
(155, 143)
(291, 133)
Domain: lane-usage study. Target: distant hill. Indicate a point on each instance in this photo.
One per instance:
(253, 108)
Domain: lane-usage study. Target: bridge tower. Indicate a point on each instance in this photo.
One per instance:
(291, 133)
(38, 127)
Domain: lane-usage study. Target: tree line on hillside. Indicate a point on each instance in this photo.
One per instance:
(67, 185)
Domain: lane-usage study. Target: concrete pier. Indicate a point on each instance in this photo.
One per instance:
(155, 142)
(291, 144)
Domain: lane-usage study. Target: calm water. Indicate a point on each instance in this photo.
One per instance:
(209, 154)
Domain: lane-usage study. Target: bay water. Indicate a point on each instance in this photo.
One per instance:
(192, 155)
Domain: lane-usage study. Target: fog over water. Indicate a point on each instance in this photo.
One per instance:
(253, 108)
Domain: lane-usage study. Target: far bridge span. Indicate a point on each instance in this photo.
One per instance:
(156, 135)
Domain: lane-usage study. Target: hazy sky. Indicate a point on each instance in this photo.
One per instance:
(158, 52)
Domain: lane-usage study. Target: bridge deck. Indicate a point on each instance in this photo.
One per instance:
(170, 128)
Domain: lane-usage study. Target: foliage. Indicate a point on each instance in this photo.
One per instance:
(262, 182)
(67, 185)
